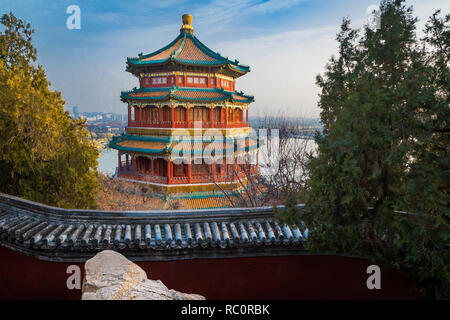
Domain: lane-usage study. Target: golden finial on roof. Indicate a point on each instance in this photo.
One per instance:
(187, 20)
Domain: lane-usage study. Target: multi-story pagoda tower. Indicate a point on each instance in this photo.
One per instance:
(185, 90)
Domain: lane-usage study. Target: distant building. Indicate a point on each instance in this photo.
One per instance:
(76, 115)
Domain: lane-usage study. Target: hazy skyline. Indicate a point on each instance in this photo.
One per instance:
(285, 42)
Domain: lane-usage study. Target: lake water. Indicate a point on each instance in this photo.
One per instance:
(107, 161)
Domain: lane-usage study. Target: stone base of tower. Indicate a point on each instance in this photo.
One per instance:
(192, 196)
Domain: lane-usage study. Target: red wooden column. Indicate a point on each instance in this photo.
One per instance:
(189, 173)
(138, 165)
(172, 116)
(187, 116)
(138, 116)
(142, 116)
(232, 117)
(157, 167)
(126, 162)
(169, 171)
(246, 116)
(145, 117)
(214, 170)
(211, 117)
(129, 116)
(152, 160)
(133, 164)
(159, 116)
(226, 117)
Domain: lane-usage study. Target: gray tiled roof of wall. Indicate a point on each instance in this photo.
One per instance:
(61, 235)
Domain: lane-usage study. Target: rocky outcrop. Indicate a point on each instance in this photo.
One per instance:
(111, 276)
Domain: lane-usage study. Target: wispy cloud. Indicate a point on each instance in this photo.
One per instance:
(219, 14)
(283, 68)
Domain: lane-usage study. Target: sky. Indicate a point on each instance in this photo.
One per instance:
(286, 43)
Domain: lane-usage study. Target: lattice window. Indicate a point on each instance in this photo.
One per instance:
(200, 169)
(217, 114)
(180, 114)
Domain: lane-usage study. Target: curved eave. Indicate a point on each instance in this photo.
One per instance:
(227, 95)
(114, 145)
(248, 100)
(137, 150)
(240, 69)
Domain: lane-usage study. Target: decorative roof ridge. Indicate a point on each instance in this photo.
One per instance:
(172, 91)
(178, 51)
(145, 56)
(217, 55)
(207, 50)
(240, 93)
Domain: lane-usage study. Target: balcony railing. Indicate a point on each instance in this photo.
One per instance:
(185, 124)
(184, 179)
(180, 124)
(180, 180)
(124, 169)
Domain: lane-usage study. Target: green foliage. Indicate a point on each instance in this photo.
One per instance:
(45, 155)
(385, 109)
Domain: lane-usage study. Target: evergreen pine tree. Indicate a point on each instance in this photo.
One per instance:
(379, 184)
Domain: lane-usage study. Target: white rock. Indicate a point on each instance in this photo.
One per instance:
(111, 276)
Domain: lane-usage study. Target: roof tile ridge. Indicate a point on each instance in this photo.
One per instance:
(177, 52)
(207, 50)
(148, 55)
(172, 90)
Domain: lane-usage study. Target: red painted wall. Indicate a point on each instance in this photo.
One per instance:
(284, 277)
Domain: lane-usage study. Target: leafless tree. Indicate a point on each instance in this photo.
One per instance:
(282, 165)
